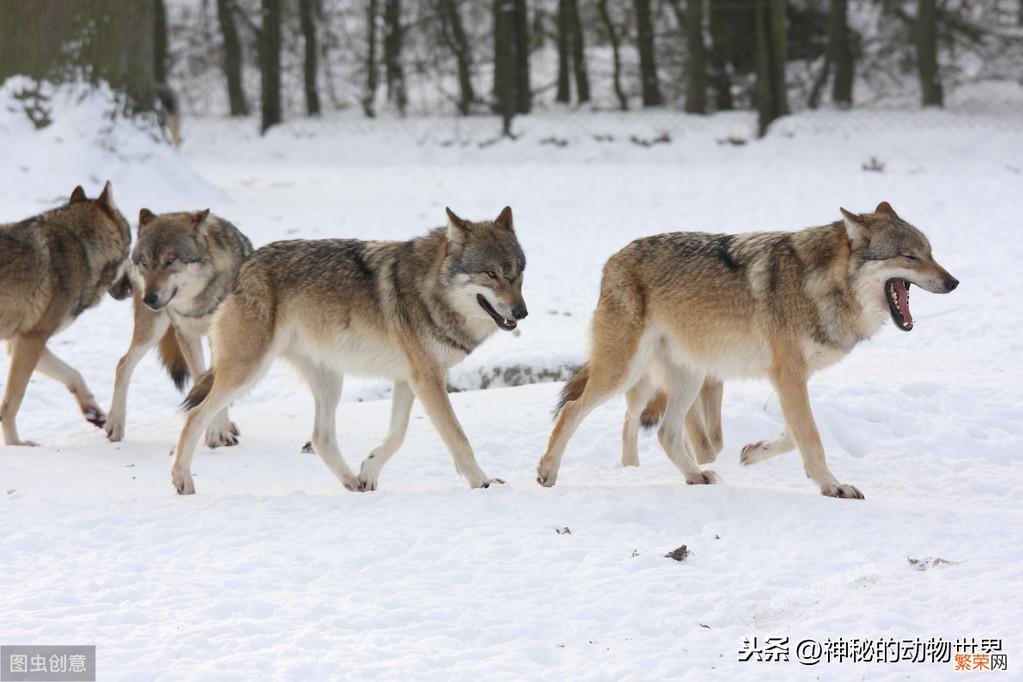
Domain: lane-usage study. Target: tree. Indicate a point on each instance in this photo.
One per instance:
(307, 18)
(454, 35)
(719, 52)
(394, 34)
(505, 80)
(66, 40)
(571, 54)
(927, 53)
(159, 41)
(841, 54)
(270, 63)
(232, 58)
(696, 62)
(647, 62)
(771, 93)
(369, 97)
(612, 36)
(523, 91)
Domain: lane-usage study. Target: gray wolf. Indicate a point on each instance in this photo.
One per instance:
(678, 309)
(407, 311)
(53, 267)
(169, 112)
(183, 266)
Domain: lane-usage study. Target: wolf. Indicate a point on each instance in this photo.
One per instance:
(676, 309)
(405, 310)
(169, 111)
(183, 265)
(53, 267)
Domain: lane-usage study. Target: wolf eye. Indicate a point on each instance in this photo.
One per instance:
(908, 257)
(492, 274)
(169, 262)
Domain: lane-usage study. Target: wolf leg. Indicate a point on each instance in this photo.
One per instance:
(431, 388)
(683, 384)
(149, 329)
(325, 384)
(789, 376)
(401, 407)
(764, 449)
(703, 423)
(636, 399)
(25, 353)
(221, 430)
(55, 368)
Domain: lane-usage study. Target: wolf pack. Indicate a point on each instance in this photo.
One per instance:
(677, 315)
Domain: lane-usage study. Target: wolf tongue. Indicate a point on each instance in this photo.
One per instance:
(903, 300)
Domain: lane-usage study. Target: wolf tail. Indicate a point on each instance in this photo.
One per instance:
(574, 388)
(199, 392)
(654, 410)
(173, 359)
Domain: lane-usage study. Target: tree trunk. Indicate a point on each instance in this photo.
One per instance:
(841, 55)
(927, 53)
(232, 58)
(696, 62)
(523, 92)
(564, 94)
(454, 33)
(64, 40)
(369, 98)
(719, 51)
(394, 35)
(505, 77)
(612, 36)
(270, 63)
(159, 41)
(307, 17)
(647, 61)
(582, 78)
(771, 93)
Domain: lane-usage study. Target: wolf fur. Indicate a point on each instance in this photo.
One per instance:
(183, 265)
(676, 310)
(53, 267)
(407, 311)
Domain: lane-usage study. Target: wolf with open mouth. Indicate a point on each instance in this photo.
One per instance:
(404, 310)
(679, 313)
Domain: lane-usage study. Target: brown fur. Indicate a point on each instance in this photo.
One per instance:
(173, 359)
(53, 267)
(682, 311)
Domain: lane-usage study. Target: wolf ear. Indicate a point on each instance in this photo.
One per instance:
(856, 227)
(884, 208)
(457, 228)
(145, 216)
(505, 219)
(77, 194)
(106, 197)
(199, 219)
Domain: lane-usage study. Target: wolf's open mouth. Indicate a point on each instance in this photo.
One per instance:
(503, 323)
(897, 291)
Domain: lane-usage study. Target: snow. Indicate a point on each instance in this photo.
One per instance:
(273, 571)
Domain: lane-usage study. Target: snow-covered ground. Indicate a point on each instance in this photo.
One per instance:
(273, 571)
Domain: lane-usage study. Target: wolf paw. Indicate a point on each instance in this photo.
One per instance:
(95, 415)
(546, 475)
(754, 452)
(355, 484)
(114, 427)
(226, 437)
(842, 490)
(486, 482)
(703, 478)
(183, 483)
(24, 443)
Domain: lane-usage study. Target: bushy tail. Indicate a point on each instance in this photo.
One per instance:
(574, 388)
(199, 392)
(654, 410)
(173, 359)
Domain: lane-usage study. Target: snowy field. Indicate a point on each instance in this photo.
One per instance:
(273, 571)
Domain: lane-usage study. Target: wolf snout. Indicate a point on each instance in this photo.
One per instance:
(520, 312)
(951, 283)
(151, 300)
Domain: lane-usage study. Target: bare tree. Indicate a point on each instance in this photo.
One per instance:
(841, 54)
(369, 98)
(159, 41)
(270, 63)
(696, 62)
(505, 78)
(647, 61)
(454, 35)
(394, 35)
(571, 54)
(232, 58)
(612, 36)
(307, 18)
(564, 94)
(771, 92)
(523, 90)
(927, 53)
(719, 52)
